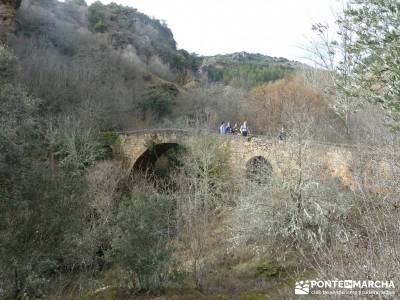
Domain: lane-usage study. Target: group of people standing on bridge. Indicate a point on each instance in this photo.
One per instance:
(226, 128)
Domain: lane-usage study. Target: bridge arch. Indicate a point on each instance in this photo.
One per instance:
(258, 169)
(158, 158)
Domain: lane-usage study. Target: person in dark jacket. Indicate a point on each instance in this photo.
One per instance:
(282, 135)
(228, 129)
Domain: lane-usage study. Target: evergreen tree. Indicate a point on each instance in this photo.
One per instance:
(375, 51)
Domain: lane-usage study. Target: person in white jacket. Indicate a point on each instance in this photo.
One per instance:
(222, 128)
(244, 129)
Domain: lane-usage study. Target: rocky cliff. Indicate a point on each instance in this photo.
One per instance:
(8, 9)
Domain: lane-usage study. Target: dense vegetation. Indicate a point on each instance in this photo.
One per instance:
(246, 70)
(74, 223)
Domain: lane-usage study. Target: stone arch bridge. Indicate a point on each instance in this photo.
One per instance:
(134, 149)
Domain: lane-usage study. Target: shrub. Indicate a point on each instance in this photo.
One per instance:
(41, 212)
(141, 246)
(205, 188)
(299, 211)
(159, 100)
(8, 64)
(268, 269)
(100, 27)
(96, 13)
(106, 141)
(41, 221)
(79, 150)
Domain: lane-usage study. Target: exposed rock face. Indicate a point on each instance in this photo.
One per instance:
(8, 11)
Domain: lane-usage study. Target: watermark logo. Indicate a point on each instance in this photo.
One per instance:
(345, 287)
(302, 288)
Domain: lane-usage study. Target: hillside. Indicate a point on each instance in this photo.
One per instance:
(111, 56)
(246, 68)
(140, 38)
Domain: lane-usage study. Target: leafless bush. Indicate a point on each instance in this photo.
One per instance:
(207, 106)
(205, 189)
(157, 67)
(371, 251)
(104, 180)
(294, 212)
(371, 126)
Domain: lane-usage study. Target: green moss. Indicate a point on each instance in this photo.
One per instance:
(268, 269)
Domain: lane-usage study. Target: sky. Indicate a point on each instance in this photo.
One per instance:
(208, 27)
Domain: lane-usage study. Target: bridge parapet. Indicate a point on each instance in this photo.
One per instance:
(155, 131)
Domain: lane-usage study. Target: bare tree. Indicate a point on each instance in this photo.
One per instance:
(331, 52)
(207, 106)
(204, 183)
